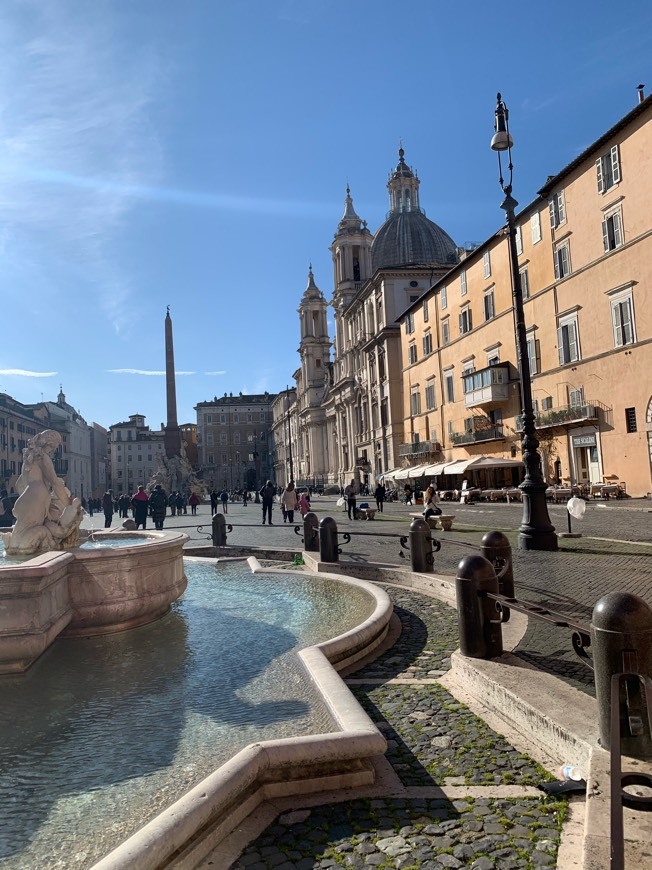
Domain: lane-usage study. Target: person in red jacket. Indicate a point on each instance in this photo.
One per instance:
(193, 501)
(140, 504)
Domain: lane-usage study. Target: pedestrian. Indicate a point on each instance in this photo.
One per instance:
(179, 503)
(379, 495)
(245, 497)
(407, 489)
(431, 503)
(172, 503)
(267, 496)
(349, 493)
(91, 506)
(304, 503)
(214, 499)
(224, 498)
(289, 502)
(158, 503)
(107, 507)
(193, 501)
(140, 505)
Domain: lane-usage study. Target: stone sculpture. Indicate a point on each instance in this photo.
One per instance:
(47, 518)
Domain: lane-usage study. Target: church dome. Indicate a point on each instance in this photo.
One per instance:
(408, 237)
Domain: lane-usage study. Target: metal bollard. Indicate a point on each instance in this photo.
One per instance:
(621, 641)
(497, 549)
(311, 532)
(479, 621)
(421, 557)
(329, 550)
(219, 530)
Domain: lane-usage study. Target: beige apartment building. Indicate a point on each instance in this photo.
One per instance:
(585, 260)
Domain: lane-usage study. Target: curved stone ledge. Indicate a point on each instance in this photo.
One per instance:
(195, 824)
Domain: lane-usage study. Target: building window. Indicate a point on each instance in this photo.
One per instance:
(489, 310)
(415, 403)
(612, 230)
(576, 397)
(608, 169)
(535, 227)
(486, 262)
(519, 241)
(450, 388)
(562, 261)
(409, 323)
(622, 317)
(427, 344)
(568, 340)
(262, 416)
(210, 459)
(381, 366)
(533, 354)
(443, 296)
(209, 418)
(209, 439)
(630, 419)
(557, 208)
(222, 419)
(465, 321)
(412, 354)
(223, 438)
(425, 310)
(463, 283)
(525, 283)
(430, 396)
(445, 331)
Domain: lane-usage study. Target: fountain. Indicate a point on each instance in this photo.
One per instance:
(49, 586)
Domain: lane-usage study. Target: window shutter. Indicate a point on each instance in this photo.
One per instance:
(461, 324)
(605, 234)
(572, 342)
(618, 332)
(551, 209)
(618, 232)
(557, 261)
(470, 321)
(561, 207)
(560, 345)
(564, 264)
(615, 164)
(519, 241)
(598, 169)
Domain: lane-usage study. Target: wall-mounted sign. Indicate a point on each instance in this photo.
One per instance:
(584, 441)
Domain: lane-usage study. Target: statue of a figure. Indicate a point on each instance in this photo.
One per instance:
(47, 518)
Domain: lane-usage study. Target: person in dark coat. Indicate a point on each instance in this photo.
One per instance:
(193, 501)
(267, 495)
(379, 495)
(140, 505)
(107, 507)
(179, 503)
(158, 503)
(214, 497)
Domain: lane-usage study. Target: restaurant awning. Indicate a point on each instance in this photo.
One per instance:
(435, 469)
(458, 467)
(479, 462)
(387, 475)
(410, 473)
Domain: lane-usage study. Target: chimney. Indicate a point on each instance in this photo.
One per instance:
(641, 93)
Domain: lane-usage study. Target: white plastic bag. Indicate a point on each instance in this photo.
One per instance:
(576, 507)
(341, 502)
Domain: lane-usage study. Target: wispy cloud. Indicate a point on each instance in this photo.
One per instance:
(215, 373)
(73, 99)
(143, 372)
(24, 373)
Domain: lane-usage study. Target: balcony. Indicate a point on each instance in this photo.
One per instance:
(486, 386)
(565, 415)
(419, 448)
(491, 433)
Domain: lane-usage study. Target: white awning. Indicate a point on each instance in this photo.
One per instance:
(458, 467)
(493, 462)
(433, 470)
(410, 473)
(387, 475)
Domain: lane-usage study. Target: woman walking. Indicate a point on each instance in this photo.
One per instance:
(289, 502)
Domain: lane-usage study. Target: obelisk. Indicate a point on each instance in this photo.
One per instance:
(172, 431)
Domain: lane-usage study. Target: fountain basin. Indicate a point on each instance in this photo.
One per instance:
(83, 592)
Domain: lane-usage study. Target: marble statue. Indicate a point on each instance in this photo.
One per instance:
(47, 518)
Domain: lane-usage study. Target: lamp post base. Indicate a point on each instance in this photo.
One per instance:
(536, 531)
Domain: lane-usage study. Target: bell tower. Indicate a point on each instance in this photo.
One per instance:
(314, 348)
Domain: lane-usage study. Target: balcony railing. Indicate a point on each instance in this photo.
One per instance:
(565, 415)
(492, 433)
(419, 448)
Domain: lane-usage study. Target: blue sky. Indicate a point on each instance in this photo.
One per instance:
(196, 154)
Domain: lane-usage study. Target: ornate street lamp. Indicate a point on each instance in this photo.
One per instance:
(536, 531)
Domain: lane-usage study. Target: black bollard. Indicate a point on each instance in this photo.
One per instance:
(311, 532)
(497, 549)
(421, 557)
(328, 545)
(479, 622)
(219, 530)
(621, 641)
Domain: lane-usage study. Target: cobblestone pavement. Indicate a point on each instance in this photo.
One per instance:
(433, 742)
(613, 553)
